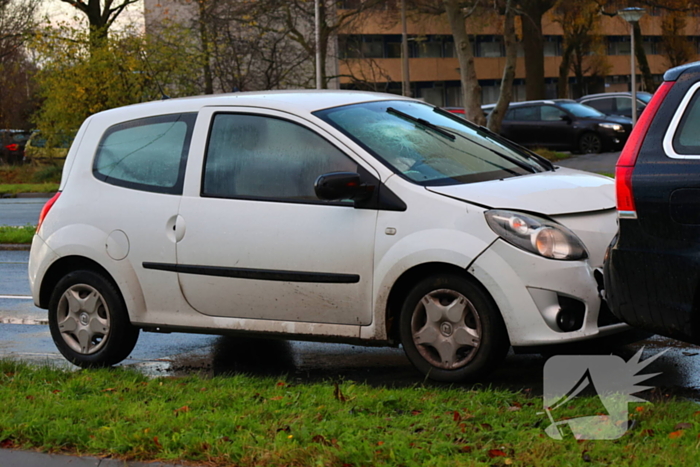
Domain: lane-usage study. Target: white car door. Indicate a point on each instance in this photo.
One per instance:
(255, 240)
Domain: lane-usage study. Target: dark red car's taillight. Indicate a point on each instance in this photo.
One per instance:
(625, 164)
(12, 147)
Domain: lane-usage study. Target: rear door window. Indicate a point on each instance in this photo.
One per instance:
(148, 154)
(687, 138)
(602, 105)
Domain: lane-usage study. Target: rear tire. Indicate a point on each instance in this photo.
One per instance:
(89, 322)
(451, 330)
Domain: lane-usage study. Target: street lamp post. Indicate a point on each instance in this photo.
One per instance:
(633, 15)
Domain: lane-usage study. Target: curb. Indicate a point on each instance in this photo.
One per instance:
(12, 458)
(15, 246)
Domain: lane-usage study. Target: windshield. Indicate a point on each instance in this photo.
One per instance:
(428, 146)
(580, 110)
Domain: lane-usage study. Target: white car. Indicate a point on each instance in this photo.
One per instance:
(322, 215)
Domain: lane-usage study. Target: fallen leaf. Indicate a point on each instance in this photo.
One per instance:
(31, 398)
(416, 412)
(513, 408)
(7, 443)
(281, 383)
(338, 394)
(277, 398)
(496, 453)
(486, 426)
(320, 439)
(639, 409)
(676, 434)
(683, 426)
(508, 461)
(183, 409)
(109, 390)
(155, 440)
(379, 443)
(466, 449)
(56, 391)
(648, 432)
(455, 416)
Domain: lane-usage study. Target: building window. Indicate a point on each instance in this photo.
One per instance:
(552, 46)
(619, 45)
(489, 46)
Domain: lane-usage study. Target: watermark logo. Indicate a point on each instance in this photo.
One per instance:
(607, 378)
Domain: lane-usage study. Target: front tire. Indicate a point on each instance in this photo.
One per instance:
(590, 143)
(451, 330)
(88, 320)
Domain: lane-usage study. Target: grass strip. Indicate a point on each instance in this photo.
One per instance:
(17, 188)
(245, 421)
(11, 234)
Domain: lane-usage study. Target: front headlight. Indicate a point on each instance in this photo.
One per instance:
(536, 235)
(612, 126)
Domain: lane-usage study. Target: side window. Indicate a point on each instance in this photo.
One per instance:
(687, 137)
(624, 106)
(602, 105)
(552, 114)
(510, 115)
(148, 154)
(253, 156)
(527, 114)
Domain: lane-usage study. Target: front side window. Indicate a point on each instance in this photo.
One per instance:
(428, 146)
(552, 114)
(148, 154)
(580, 110)
(260, 157)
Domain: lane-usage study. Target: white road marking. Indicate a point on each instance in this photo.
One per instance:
(17, 297)
(9, 320)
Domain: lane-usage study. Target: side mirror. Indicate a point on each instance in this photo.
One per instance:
(336, 186)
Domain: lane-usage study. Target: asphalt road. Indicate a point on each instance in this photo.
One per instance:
(20, 211)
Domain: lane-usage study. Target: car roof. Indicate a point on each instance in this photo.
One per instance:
(288, 100)
(524, 103)
(611, 94)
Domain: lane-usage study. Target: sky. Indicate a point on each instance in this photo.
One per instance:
(56, 10)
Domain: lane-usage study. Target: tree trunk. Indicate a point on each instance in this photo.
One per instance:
(471, 91)
(564, 68)
(533, 45)
(642, 62)
(206, 52)
(506, 93)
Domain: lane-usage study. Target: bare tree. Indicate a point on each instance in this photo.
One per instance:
(101, 14)
(511, 45)
(531, 13)
(17, 18)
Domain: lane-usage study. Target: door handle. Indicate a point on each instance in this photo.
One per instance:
(179, 228)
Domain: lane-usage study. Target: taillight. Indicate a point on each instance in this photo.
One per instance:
(12, 147)
(45, 210)
(628, 158)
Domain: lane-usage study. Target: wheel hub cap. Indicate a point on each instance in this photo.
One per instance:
(83, 319)
(446, 329)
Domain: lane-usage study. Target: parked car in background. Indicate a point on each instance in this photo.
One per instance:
(652, 269)
(563, 124)
(12, 144)
(335, 215)
(616, 103)
(459, 111)
(39, 149)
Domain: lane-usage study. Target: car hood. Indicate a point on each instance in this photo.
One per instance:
(564, 191)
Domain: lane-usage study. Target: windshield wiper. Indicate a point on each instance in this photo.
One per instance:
(421, 122)
(506, 142)
(510, 159)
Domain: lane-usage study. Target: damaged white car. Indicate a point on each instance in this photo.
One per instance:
(334, 216)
